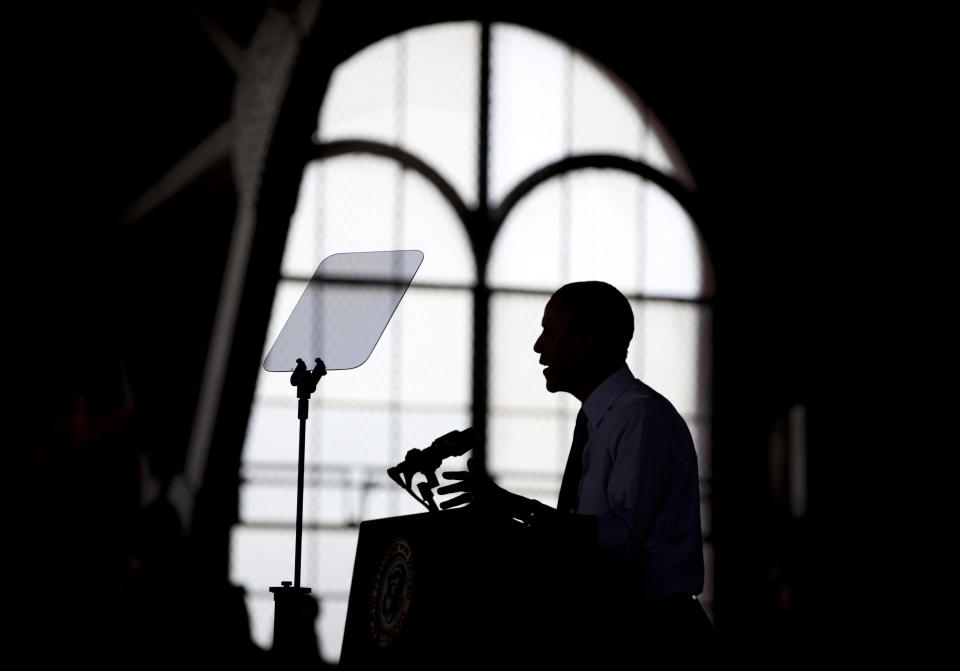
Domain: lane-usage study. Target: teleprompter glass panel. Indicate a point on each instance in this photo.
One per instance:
(344, 309)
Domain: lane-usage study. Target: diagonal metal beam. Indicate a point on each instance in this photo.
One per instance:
(233, 55)
(215, 148)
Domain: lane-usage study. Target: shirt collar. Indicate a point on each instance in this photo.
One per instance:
(601, 398)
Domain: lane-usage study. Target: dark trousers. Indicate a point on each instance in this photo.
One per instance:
(676, 630)
(673, 632)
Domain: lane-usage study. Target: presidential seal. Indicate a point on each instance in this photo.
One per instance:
(391, 593)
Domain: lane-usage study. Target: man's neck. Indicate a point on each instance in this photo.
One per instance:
(592, 378)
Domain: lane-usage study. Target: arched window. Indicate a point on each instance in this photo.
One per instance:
(516, 164)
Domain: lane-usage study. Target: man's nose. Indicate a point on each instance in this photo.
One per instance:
(536, 345)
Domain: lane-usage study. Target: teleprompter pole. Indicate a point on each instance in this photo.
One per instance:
(306, 384)
(291, 601)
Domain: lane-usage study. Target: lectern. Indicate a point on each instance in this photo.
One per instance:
(464, 588)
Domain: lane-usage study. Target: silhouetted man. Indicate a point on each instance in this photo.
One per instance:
(631, 478)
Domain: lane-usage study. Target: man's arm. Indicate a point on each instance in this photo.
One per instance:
(642, 467)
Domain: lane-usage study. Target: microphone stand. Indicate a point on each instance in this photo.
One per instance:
(426, 462)
(403, 474)
(291, 600)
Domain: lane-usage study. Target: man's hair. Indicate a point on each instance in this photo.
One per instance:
(601, 308)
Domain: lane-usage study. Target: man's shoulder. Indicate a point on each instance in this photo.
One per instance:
(643, 414)
(623, 400)
(639, 393)
(640, 399)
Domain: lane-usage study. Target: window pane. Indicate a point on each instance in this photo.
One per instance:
(368, 203)
(418, 91)
(527, 452)
(270, 502)
(327, 563)
(431, 225)
(351, 207)
(528, 104)
(442, 75)
(529, 250)
(529, 428)
(272, 427)
(362, 98)
(680, 267)
(436, 347)
(666, 352)
(608, 118)
(608, 225)
(351, 432)
(260, 557)
(516, 377)
(549, 101)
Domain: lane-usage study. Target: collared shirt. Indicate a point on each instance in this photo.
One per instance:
(640, 480)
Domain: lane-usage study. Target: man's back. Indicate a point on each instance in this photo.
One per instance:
(640, 479)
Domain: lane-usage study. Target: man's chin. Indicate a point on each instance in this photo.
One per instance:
(553, 385)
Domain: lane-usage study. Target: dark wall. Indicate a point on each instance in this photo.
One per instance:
(761, 106)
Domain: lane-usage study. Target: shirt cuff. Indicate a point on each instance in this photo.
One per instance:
(613, 535)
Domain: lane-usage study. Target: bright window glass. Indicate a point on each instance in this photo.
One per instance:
(595, 223)
(417, 90)
(549, 101)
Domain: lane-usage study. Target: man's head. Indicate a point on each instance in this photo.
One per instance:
(587, 327)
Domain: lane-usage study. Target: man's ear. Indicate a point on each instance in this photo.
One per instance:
(588, 343)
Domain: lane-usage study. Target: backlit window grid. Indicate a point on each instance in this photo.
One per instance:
(418, 91)
(609, 221)
(570, 106)
(376, 205)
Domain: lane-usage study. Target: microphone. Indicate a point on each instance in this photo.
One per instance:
(428, 460)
